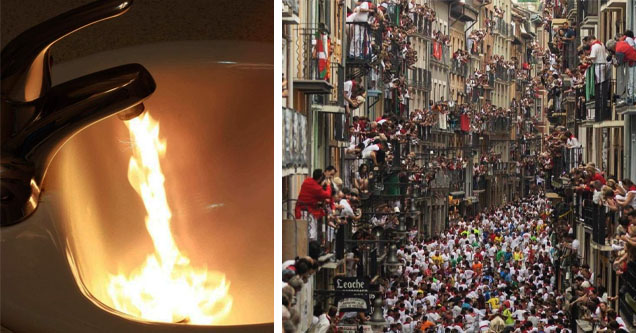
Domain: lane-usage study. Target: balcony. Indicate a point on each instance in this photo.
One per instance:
(392, 14)
(441, 181)
(312, 75)
(475, 93)
(444, 56)
(612, 5)
(463, 11)
(627, 296)
(503, 168)
(600, 104)
(360, 37)
(499, 125)
(502, 28)
(590, 12)
(294, 140)
(423, 26)
(420, 79)
(626, 89)
(459, 68)
(457, 181)
(290, 12)
(572, 157)
(503, 75)
(571, 10)
(570, 59)
(491, 81)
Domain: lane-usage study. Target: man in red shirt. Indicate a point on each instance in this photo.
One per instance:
(312, 194)
(625, 52)
(590, 169)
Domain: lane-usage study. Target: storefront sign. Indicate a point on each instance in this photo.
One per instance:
(354, 329)
(352, 294)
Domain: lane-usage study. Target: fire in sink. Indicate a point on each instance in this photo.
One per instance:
(166, 287)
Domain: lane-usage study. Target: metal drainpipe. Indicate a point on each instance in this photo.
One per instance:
(627, 144)
(448, 78)
(343, 59)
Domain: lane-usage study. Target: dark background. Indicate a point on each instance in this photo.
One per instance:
(147, 21)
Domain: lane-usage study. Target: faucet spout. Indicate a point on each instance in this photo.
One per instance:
(38, 119)
(74, 105)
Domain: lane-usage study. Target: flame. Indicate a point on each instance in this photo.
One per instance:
(165, 288)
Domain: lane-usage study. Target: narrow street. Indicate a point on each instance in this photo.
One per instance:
(459, 166)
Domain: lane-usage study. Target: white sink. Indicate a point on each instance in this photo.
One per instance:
(214, 104)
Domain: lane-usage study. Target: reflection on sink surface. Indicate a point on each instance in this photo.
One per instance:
(213, 104)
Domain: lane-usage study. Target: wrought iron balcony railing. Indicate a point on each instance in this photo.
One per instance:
(504, 74)
(459, 68)
(392, 14)
(292, 4)
(603, 91)
(497, 125)
(590, 8)
(443, 56)
(570, 58)
(308, 64)
(360, 38)
(420, 78)
(294, 139)
(625, 86)
(423, 26)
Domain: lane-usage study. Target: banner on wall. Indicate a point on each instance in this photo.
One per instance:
(437, 50)
(352, 294)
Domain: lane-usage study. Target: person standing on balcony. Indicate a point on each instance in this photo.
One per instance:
(572, 141)
(313, 192)
(629, 199)
(598, 55)
(358, 36)
(626, 54)
(374, 152)
(352, 90)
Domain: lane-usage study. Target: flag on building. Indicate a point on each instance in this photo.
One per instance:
(437, 50)
(321, 52)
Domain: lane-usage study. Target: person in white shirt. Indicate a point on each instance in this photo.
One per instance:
(431, 299)
(370, 152)
(598, 55)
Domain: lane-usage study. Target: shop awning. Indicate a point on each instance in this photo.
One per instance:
(629, 110)
(327, 108)
(552, 195)
(609, 123)
(524, 32)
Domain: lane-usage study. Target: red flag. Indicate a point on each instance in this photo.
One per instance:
(437, 50)
(464, 123)
(322, 57)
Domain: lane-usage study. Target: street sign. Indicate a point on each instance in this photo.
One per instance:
(352, 293)
(354, 329)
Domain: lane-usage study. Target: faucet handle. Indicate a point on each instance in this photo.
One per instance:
(25, 61)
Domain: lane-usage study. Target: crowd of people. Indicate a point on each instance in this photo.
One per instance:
(480, 275)
(495, 272)
(619, 198)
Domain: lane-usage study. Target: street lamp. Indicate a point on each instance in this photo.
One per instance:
(378, 232)
(392, 263)
(377, 318)
(402, 225)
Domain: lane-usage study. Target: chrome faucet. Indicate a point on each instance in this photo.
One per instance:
(38, 119)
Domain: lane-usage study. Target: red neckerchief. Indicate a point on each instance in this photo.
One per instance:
(596, 42)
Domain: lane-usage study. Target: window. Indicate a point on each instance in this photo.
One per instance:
(324, 14)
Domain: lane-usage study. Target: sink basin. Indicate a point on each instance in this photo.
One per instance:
(214, 106)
